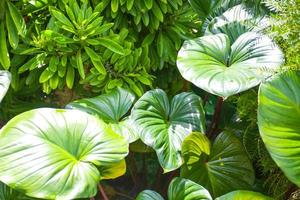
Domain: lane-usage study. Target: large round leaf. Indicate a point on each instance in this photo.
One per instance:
(214, 65)
(279, 121)
(163, 125)
(55, 153)
(244, 195)
(221, 168)
(5, 78)
(112, 108)
(184, 189)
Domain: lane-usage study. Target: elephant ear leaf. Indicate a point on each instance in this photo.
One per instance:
(163, 125)
(55, 153)
(5, 78)
(181, 188)
(279, 121)
(221, 167)
(112, 109)
(215, 65)
(243, 195)
(149, 195)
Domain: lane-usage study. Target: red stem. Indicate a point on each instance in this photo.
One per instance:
(103, 194)
(216, 118)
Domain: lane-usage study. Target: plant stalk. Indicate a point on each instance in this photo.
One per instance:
(216, 118)
(103, 194)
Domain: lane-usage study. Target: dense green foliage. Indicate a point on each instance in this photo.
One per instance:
(149, 100)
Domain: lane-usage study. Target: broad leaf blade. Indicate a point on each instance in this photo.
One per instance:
(54, 153)
(216, 66)
(163, 125)
(279, 121)
(224, 168)
(181, 188)
(112, 108)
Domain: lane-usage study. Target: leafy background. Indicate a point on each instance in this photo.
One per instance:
(54, 61)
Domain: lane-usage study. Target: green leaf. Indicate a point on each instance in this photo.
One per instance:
(148, 4)
(244, 195)
(17, 19)
(5, 79)
(223, 168)
(12, 31)
(60, 17)
(54, 153)
(96, 60)
(46, 75)
(113, 171)
(234, 22)
(4, 55)
(114, 5)
(7, 193)
(279, 121)
(108, 43)
(163, 125)
(181, 188)
(70, 77)
(111, 108)
(36, 62)
(149, 195)
(79, 63)
(216, 66)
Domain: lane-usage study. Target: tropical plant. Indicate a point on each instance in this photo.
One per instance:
(181, 188)
(178, 99)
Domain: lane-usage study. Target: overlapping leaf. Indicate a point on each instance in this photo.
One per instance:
(112, 108)
(163, 125)
(215, 65)
(55, 153)
(220, 168)
(279, 121)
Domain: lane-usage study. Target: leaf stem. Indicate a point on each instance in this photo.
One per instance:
(216, 118)
(103, 194)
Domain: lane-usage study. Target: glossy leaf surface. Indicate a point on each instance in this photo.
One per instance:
(279, 121)
(55, 153)
(111, 108)
(163, 125)
(221, 167)
(215, 65)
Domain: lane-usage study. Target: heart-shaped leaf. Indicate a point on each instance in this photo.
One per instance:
(163, 125)
(214, 65)
(55, 153)
(111, 108)
(220, 168)
(5, 78)
(279, 121)
(244, 195)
